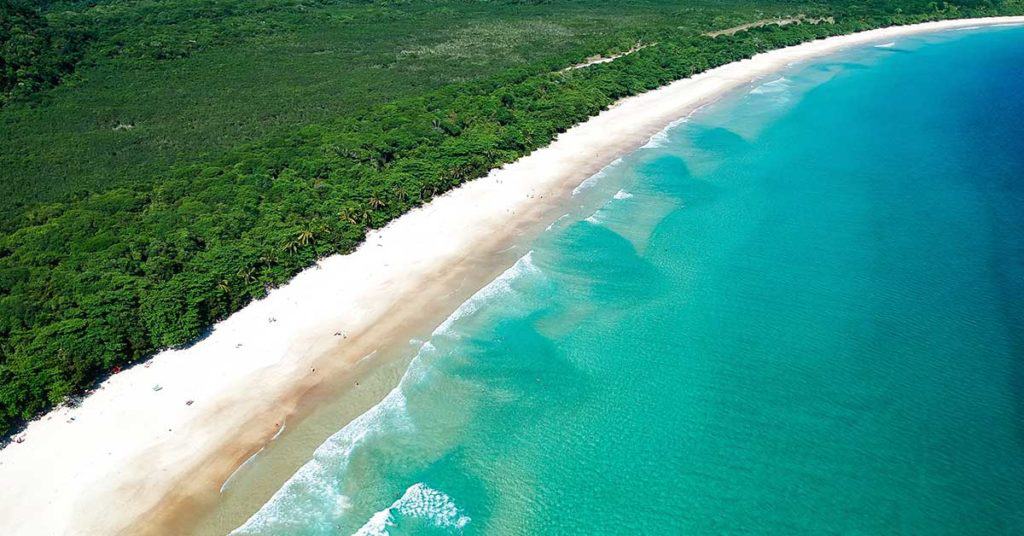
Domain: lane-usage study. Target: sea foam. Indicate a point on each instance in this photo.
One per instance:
(419, 501)
(556, 222)
(298, 502)
(499, 286)
(592, 180)
(779, 85)
(662, 137)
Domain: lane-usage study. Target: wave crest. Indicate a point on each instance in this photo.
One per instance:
(779, 85)
(592, 180)
(421, 502)
(300, 501)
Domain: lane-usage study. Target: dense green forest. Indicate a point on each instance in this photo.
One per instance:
(157, 84)
(164, 163)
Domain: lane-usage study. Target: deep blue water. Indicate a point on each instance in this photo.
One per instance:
(799, 312)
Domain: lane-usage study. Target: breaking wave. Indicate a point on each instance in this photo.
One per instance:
(779, 85)
(419, 502)
(299, 502)
(592, 180)
(501, 285)
(556, 222)
(662, 137)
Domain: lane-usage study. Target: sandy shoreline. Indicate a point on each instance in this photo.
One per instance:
(157, 441)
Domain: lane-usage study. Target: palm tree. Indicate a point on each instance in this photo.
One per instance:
(427, 191)
(248, 274)
(401, 194)
(462, 172)
(377, 203)
(305, 237)
(345, 215)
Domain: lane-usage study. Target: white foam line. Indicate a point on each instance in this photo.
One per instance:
(279, 432)
(552, 224)
(420, 501)
(592, 180)
(331, 457)
(367, 356)
(246, 463)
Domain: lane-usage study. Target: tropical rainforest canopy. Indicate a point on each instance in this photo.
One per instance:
(163, 163)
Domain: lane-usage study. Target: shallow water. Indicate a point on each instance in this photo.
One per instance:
(799, 311)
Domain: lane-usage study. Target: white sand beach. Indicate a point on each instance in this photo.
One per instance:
(167, 433)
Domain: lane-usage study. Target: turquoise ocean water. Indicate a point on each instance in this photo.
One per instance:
(801, 311)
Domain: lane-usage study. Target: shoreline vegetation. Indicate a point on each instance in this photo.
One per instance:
(103, 280)
(169, 433)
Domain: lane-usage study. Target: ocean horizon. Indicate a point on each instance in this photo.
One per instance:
(799, 310)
